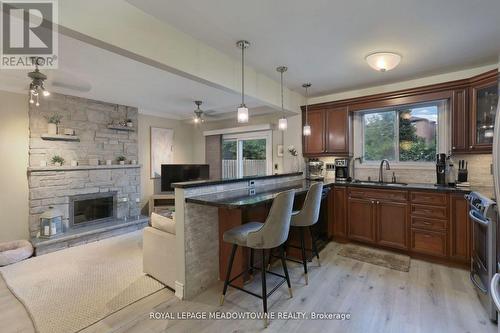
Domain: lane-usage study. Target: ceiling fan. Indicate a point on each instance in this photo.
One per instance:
(200, 115)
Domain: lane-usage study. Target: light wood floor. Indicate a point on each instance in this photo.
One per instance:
(430, 298)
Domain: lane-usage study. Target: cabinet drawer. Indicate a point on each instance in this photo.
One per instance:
(428, 224)
(368, 193)
(433, 212)
(430, 198)
(428, 242)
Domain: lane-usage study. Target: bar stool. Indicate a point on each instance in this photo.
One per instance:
(307, 218)
(263, 236)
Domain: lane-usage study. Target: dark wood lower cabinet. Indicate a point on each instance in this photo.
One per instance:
(361, 220)
(337, 204)
(422, 223)
(392, 224)
(460, 232)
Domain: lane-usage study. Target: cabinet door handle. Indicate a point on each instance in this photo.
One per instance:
(378, 202)
(470, 147)
(427, 223)
(454, 148)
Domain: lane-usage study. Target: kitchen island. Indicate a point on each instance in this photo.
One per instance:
(418, 219)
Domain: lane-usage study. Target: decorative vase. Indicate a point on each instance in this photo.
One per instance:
(57, 164)
(122, 162)
(52, 129)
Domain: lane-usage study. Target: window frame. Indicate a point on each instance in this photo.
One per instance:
(255, 135)
(442, 133)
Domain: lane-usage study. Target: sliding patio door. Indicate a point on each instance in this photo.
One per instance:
(247, 154)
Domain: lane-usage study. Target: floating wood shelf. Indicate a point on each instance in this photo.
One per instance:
(121, 128)
(60, 137)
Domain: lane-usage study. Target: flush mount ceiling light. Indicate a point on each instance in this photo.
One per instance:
(307, 129)
(383, 61)
(282, 122)
(243, 110)
(36, 85)
(198, 113)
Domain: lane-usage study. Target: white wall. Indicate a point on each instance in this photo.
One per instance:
(14, 135)
(183, 149)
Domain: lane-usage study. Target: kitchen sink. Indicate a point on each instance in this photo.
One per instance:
(370, 182)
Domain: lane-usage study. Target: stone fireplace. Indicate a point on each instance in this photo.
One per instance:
(94, 199)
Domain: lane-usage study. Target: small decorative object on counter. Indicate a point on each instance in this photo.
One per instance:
(69, 131)
(133, 162)
(74, 163)
(109, 162)
(51, 223)
(53, 122)
(57, 160)
(121, 160)
(130, 123)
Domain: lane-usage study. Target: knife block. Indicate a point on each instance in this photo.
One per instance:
(462, 175)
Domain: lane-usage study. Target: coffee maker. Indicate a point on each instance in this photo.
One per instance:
(342, 169)
(441, 169)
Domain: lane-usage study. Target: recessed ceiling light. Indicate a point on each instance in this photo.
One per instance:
(383, 61)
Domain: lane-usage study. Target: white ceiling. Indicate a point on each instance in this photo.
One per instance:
(92, 72)
(325, 41)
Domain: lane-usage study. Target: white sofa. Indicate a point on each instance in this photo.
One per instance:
(159, 257)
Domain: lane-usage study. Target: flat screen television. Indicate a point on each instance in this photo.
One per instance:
(176, 173)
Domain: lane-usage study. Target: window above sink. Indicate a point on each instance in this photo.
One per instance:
(405, 135)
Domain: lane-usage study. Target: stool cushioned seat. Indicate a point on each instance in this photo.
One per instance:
(239, 235)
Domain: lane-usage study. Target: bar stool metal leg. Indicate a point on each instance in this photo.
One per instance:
(285, 269)
(264, 288)
(228, 273)
(304, 258)
(251, 263)
(315, 248)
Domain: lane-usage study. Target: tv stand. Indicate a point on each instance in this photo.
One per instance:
(161, 201)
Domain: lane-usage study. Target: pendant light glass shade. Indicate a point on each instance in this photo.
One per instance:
(306, 131)
(242, 114)
(242, 110)
(282, 124)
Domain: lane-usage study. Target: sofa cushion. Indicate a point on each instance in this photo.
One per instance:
(163, 223)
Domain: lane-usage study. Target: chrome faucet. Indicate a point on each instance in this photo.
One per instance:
(380, 172)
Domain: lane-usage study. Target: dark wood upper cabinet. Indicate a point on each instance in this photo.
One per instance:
(330, 129)
(483, 107)
(314, 144)
(460, 121)
(337, 131)
(472, 104)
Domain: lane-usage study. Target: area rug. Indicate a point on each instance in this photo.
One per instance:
(71, 289)
(382, 258)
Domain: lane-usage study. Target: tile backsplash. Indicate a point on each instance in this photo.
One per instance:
(479, 167)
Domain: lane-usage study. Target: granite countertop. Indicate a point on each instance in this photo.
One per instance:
(242, 198)
(198, 183)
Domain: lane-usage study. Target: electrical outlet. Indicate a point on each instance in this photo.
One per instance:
(251, 183)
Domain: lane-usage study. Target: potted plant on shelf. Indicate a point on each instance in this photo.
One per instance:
(121, 160)
(53, 122)
(57, 160)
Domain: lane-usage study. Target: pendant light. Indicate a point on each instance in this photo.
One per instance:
(37, 84)
(307, 129)
(282, 122)
(243, 110)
